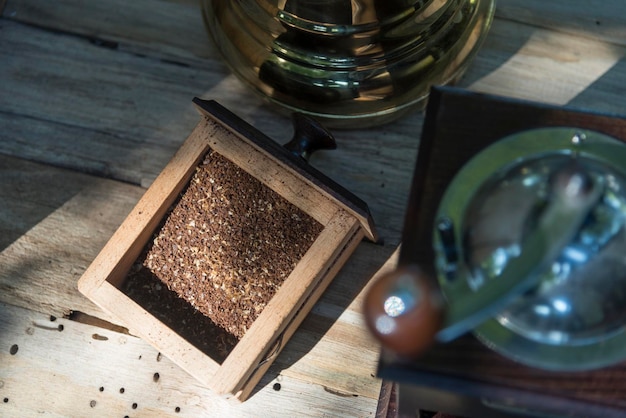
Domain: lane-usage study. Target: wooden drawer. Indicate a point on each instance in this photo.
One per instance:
(344, 221)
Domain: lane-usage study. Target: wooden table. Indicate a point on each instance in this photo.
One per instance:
(95, 98)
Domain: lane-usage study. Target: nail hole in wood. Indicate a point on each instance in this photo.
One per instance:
(156, 377)
(121, 390)
(61, 327)
(13, 349)
(101, 389)
(92, 403)
(177, 409)
(6, 400)
(276, 387)
(134, 405)
(53, 318)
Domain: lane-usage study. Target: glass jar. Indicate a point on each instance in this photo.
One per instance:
(349, 63)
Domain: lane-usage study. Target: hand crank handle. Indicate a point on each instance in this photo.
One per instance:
(403, 309)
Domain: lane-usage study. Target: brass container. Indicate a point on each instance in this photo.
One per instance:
(349, 63)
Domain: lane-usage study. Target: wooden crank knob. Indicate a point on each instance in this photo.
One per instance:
(309, 136)
(404, 311)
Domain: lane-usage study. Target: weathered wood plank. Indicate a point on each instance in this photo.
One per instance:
(82, 84)
(91, 108)
(550, 67)
(114, 374)
(25, 195)
(71, 216)
(164, 28)
(600, 20)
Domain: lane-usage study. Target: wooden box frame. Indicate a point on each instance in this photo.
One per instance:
(465, 377)
(345, 219)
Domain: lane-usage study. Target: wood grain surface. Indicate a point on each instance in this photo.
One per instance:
(95, 99)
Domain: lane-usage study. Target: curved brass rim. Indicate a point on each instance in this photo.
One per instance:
(505, 153)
